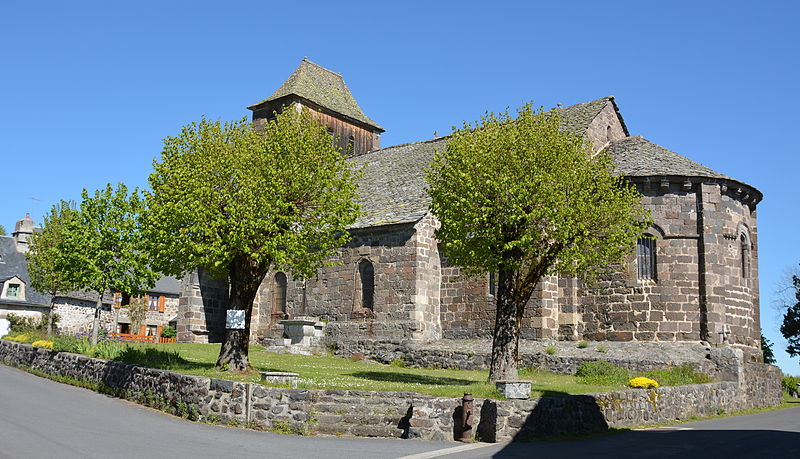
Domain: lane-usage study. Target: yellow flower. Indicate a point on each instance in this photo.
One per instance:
(644, 383)
(43, 343)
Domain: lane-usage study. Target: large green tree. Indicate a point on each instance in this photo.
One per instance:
(790, 329)
(45, 254)
(523, 198)
(239, 199)
(102, 250)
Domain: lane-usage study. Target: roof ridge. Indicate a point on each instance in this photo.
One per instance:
(305, 59)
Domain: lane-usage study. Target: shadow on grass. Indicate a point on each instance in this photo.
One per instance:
(162, 359)
(391, 376)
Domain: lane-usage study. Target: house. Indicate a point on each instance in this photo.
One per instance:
(75, 310)
(695, 278)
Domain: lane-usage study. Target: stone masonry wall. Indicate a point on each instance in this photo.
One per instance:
(396, 414)
(201, 308)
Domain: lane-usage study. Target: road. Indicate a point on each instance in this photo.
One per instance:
(43, 419)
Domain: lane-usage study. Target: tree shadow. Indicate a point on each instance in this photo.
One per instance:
(392, 376)
(158, 358)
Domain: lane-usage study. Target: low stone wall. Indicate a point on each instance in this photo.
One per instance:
(721, 364)
(396, 414)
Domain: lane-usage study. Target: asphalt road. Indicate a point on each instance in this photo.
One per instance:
(43, 419)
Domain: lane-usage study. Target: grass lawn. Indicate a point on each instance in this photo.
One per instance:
(326, 372)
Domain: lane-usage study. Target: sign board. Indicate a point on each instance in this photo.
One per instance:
(234, 320)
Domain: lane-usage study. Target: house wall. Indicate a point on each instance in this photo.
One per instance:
(605, 128)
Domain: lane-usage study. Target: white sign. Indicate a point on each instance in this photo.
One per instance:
(235, 320)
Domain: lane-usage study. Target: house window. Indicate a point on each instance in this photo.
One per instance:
(152, 303)
(646, 258)
(351, 142)
(745, 249)
(152, 330)
(492, 284)
(13, 291)
(279, 304)
(367, 275)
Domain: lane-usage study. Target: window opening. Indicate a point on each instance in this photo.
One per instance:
(646, 258)
(367, 275)
(280, 292)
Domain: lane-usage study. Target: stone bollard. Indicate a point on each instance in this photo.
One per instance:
(466, 418)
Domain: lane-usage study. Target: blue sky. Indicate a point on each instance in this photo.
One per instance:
(89, 89)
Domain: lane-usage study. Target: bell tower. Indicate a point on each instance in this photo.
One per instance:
(325, 94)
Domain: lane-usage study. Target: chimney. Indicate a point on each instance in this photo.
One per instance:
(22, 232)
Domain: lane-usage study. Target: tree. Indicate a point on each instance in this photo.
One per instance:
(102, 248)
(522, 198)
(137, 313)
(790, 329)
(766, 349)
(238, 200)
(2, 230)
(44, 255)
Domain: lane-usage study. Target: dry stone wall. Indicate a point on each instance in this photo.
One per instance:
(399, 414)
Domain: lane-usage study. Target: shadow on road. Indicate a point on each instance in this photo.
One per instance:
(669, 443)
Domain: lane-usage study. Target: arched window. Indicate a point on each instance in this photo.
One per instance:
(745, 252)
(366, 273)
(646, 258)
(279, 293)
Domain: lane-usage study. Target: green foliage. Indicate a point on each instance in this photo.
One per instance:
(168, 332)
(789, 384)
(602, 372)
(45, 251)
(20, 323)
(151, 357)
(583, 344)
(550, 350)
(399, 363)
(602, 349)
(523, 195)
(766, 349)
(72, 343)
(790, 329)
(230, 193)
(678, 376)
(109, 350)
(2, 230)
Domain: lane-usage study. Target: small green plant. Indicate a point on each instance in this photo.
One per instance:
(789, 385)
(583, 344)
(399, 363)
(602, 349)
(678, 376)
(281, 427)
(108, 350)
(550, 350)
(602, 372)
(168, 332)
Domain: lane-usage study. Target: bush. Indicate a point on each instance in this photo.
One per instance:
(678, 376)
(550, 350)
(168, 332)
(583, 344)
(643, 383)
(789, 384)
(601, 372)
(72, 343)
(43, 343)
(20, 323)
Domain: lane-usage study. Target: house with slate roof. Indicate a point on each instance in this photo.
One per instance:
(75, 309)
(694, 279)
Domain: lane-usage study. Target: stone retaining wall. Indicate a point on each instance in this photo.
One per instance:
(399, 414)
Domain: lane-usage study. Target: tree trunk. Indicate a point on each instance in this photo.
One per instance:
(505, 342)
(96, 322)
(50, 316)
(245, 277)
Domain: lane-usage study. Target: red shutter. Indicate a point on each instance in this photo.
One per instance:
(142, 329)
(161, 303)
(158, 330)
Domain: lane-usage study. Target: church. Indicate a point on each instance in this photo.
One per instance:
(694, 279)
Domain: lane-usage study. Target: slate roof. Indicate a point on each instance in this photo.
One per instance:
(322, 87)
(13, 263)
(578, 117)
(392, 189)
(639, 157)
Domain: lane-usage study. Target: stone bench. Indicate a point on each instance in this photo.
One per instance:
(280, 377)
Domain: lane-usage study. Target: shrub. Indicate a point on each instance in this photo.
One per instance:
(17, 338)
(399, 363)
(678, 376)
(71, 343)
(168, 332)
(550, 350)
(643, 383)
(43, 343)
(20, 323)
(583, 344)
(602, 349)
(601, 372)
(789, 384)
